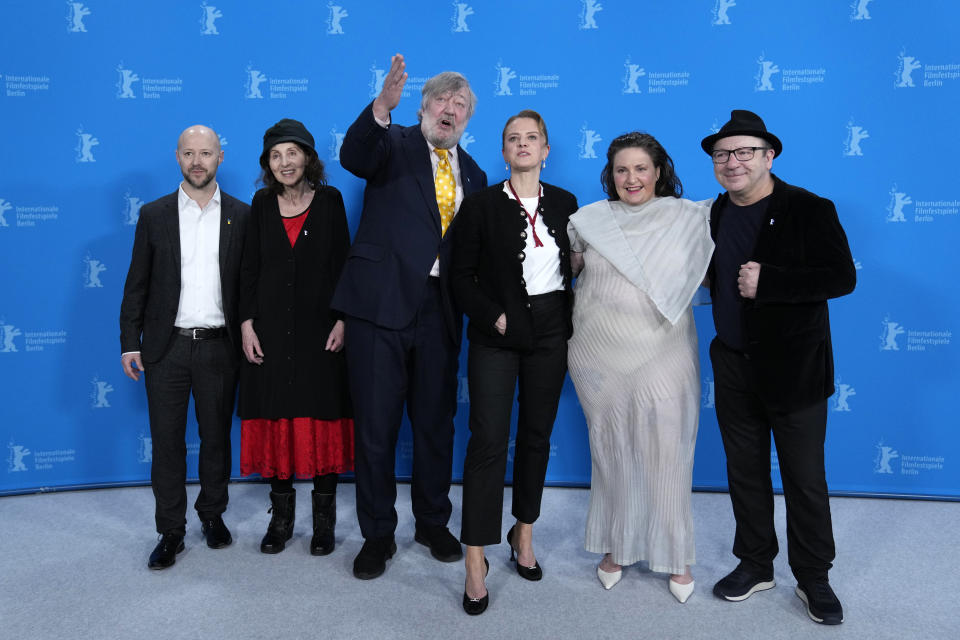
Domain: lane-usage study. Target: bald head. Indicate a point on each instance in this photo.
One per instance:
(199, 134)
(199, 155)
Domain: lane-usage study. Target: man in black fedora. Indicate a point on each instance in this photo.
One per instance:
(780, 255)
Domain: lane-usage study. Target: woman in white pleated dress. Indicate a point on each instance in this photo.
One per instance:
(633, 359)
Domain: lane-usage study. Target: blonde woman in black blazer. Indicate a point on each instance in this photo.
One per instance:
(511, 277)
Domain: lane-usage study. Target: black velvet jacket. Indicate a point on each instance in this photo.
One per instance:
(486, 269)
(805, 260)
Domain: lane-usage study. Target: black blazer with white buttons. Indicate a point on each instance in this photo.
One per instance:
(489, 239)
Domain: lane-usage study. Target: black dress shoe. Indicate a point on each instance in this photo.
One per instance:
(476, 606)
(216, 533)
(443, 546)
(165, 553)
(371, 562)
(533, 573)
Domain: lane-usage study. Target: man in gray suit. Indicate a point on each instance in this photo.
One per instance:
(178, 326)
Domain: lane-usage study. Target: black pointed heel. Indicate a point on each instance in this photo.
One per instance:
(533, 573)
(476, 606)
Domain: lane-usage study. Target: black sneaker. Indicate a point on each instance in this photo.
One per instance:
(822, 603)
(741, 583)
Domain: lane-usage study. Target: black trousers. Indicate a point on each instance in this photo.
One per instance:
(494, 375)
(387, 368)
(208, 369)
(745, 426)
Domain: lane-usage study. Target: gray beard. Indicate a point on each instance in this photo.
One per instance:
(444, 143)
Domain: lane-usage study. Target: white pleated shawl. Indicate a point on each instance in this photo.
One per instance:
(662, 246)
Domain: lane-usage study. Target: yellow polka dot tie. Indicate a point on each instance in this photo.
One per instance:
(446, 189)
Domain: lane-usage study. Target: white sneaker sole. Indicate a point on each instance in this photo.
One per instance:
(760, 586)
(803, 596)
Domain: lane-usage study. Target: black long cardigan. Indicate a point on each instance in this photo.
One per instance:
(287, 291)
(489, 245)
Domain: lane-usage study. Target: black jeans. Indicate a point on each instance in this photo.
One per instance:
(493, 376)
(208, 369)
(745, 426)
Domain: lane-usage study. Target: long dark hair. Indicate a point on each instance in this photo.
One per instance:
(667, 185)
(313, 173)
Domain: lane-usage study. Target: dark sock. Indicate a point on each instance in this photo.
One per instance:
(281, 485)
(325, 484)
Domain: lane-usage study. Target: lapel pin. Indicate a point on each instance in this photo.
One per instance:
(771, 222)
(228, 220)
(304, 232)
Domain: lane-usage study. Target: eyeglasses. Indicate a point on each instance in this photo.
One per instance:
(720, 156)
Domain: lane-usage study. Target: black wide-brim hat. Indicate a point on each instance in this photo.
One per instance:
(287, 130)
(743, 123)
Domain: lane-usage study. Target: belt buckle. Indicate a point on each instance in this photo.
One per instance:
(195, 333)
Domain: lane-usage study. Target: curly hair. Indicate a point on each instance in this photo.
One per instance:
(667, 185)
(446, 82)
(313, 173)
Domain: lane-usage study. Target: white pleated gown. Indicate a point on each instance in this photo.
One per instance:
(637, 377)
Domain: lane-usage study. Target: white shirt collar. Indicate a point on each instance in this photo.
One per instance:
(509, 192)
(451, 152)
(183, 199)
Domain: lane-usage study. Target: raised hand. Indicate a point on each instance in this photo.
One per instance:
(392, 90)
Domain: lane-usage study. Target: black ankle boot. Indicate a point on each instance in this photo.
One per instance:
(324, 519)
(280, 529)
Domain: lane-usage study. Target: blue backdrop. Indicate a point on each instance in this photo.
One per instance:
(864, 95)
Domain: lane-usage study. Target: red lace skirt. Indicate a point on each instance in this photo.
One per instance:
(301, 447)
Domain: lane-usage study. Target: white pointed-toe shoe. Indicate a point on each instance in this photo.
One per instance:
(681, 591)
(609, 579)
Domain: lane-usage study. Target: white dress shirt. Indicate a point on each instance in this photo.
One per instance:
(201, 298)
(541, 265)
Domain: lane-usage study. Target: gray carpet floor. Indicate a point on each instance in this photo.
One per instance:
(74, 566)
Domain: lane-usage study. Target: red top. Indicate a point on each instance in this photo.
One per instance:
(293, 226)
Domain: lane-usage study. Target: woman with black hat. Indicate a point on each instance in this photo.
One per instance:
(294, 402)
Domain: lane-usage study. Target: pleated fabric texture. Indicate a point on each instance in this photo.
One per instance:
(637, 377)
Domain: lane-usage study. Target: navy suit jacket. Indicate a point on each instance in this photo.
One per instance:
(385, 276)
(151, 294)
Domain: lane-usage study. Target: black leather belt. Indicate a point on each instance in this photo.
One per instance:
(202, 334)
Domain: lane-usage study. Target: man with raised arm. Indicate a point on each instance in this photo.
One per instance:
(402, 331)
